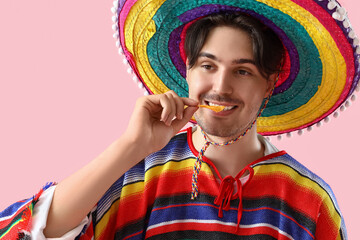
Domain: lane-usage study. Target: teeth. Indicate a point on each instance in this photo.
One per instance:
(228, 108)
(213, 104)
(225, 109)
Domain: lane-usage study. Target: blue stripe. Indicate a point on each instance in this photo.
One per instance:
(260, 216)
(177, 148)
(111, 195)
(12, 209)
(305, 172)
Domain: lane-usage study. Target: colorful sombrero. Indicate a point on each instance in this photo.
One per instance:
(321, 69)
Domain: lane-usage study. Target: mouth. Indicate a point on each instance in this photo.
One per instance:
(226, 106)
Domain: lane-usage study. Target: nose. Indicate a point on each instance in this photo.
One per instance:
(222, 82)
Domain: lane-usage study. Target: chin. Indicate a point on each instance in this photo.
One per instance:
(221, 129)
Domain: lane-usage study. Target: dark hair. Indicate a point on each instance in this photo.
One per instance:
(267, 47)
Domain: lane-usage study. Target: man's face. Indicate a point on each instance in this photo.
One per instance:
(225, 74)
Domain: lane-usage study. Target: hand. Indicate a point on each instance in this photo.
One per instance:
(157, 118)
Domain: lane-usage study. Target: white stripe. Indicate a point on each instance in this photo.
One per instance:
(191, 221)
(269, 226)
(305, 172)
(221, 223)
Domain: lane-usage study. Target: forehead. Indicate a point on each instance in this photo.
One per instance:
(228, 44)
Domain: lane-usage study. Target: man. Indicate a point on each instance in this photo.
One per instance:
(242, 186)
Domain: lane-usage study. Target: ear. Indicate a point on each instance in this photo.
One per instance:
(271, 81)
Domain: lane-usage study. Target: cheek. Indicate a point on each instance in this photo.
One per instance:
(256, 90)
(197, 86)
(254, 100)
(252, 96)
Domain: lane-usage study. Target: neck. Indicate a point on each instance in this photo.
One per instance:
(231, 159)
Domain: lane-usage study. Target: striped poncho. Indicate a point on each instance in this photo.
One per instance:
(280, 200)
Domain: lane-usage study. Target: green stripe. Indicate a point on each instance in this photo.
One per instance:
(5, 233)
(305, 85)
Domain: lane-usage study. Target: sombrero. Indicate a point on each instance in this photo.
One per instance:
(321, 61)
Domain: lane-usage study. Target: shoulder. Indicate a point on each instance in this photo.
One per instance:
(282, 176)
(283, 162)
(288, 167)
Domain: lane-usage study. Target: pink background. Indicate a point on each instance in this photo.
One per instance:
(65, 96)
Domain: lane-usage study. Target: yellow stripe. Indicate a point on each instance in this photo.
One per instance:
(187, 164)
(11, 227)
(132, 189)
(101, 226)
(140, 19)
(302, 182)
(139, 29)
(155, 172)
(138, 188)
(339, 237)
(334, 71)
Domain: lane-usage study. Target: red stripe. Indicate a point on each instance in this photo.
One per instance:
(134, 234)
(325, 227)
(283, 214)
(109, 231)
(338, 36)
(344, 47)
(4, 223)
(184, 205)
(215, 227)
(297, 196)
(245, 210)
(182, 39)
(89, 233)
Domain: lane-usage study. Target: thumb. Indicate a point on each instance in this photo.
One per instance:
(177, 124)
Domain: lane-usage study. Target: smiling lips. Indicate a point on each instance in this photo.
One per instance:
(217, 108)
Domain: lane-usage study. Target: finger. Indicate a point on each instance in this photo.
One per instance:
(172, 113)
(166, 107)
(179, 102)
(179, 107)
(189, 112)
(190, 102)
(168, 111)
(177, 124)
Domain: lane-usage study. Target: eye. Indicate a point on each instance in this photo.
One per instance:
(206, 66)
(243, 72)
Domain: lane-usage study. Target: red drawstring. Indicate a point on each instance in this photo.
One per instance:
(226, 194)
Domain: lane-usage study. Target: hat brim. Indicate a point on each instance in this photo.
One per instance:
(321, 68)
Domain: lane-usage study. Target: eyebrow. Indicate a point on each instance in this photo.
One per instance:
(236, 61)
